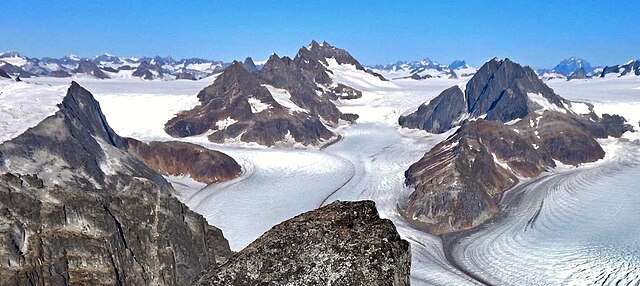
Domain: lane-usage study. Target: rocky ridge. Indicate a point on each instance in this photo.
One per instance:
(343, 243)
(511, 125)
(77, 208)
(286, 101)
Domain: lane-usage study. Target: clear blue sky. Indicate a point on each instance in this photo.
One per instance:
(536, 34)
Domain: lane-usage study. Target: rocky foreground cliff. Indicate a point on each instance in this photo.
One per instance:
(80, 205)
(344, 243)
(510, 125)
(77, 209)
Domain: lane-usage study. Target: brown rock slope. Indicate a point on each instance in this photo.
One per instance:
(344, 243)
(181, 158)
(458, 184)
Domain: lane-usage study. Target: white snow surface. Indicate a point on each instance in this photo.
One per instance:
(14, 60)
(257, 105)
(584, 228)
(283, 97)
(24, 105)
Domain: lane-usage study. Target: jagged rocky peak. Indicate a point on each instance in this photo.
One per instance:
(578, 74)
(75, 137)
(344, 243)
(149, 71)
(78, 209)
(571, 65)
(457, 64)
(500, 90)
(511, 126)
(630, 68)
(249, 65)
(238, 107)
(323, 52)
(87, 66)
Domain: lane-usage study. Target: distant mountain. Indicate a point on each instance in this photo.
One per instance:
(569, 66)
(630, 68)
(107, 66)
(287, 101)
(511, 125)
(423, 69)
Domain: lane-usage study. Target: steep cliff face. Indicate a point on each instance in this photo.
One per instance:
(344, 243)
(181, 158)
(522, 129)
(501, 90)
(77, 208)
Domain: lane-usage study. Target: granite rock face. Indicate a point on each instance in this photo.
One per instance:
(86, 66)
(511, 126)
(182, 158)
(77, 209)
(344, 243)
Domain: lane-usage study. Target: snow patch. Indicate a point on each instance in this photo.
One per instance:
(544, 103)
(283, 97)
(24, 105)
(224, 123)
(257, 105)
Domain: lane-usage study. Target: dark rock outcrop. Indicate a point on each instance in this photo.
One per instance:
(148, 71)
(181, 158)
(344, 243)
(630, 68)
(286, 74)
(226, 106)
(77, 209)
(458, 184)
(87, 66)
(4, 74)
(230, 99)
(579, 74)
(186, 75)
(440, 114)
(14, 70)
(249, 65)
(499, 91)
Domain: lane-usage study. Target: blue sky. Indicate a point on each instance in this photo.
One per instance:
(536, 34)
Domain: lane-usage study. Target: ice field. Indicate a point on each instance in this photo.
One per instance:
(572, 226)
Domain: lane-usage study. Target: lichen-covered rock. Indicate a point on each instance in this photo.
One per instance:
(137, 235)
(344, 243)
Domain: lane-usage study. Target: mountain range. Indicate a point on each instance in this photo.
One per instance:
(110, 66)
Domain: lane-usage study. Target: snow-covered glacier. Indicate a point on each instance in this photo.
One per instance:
(572, 226)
